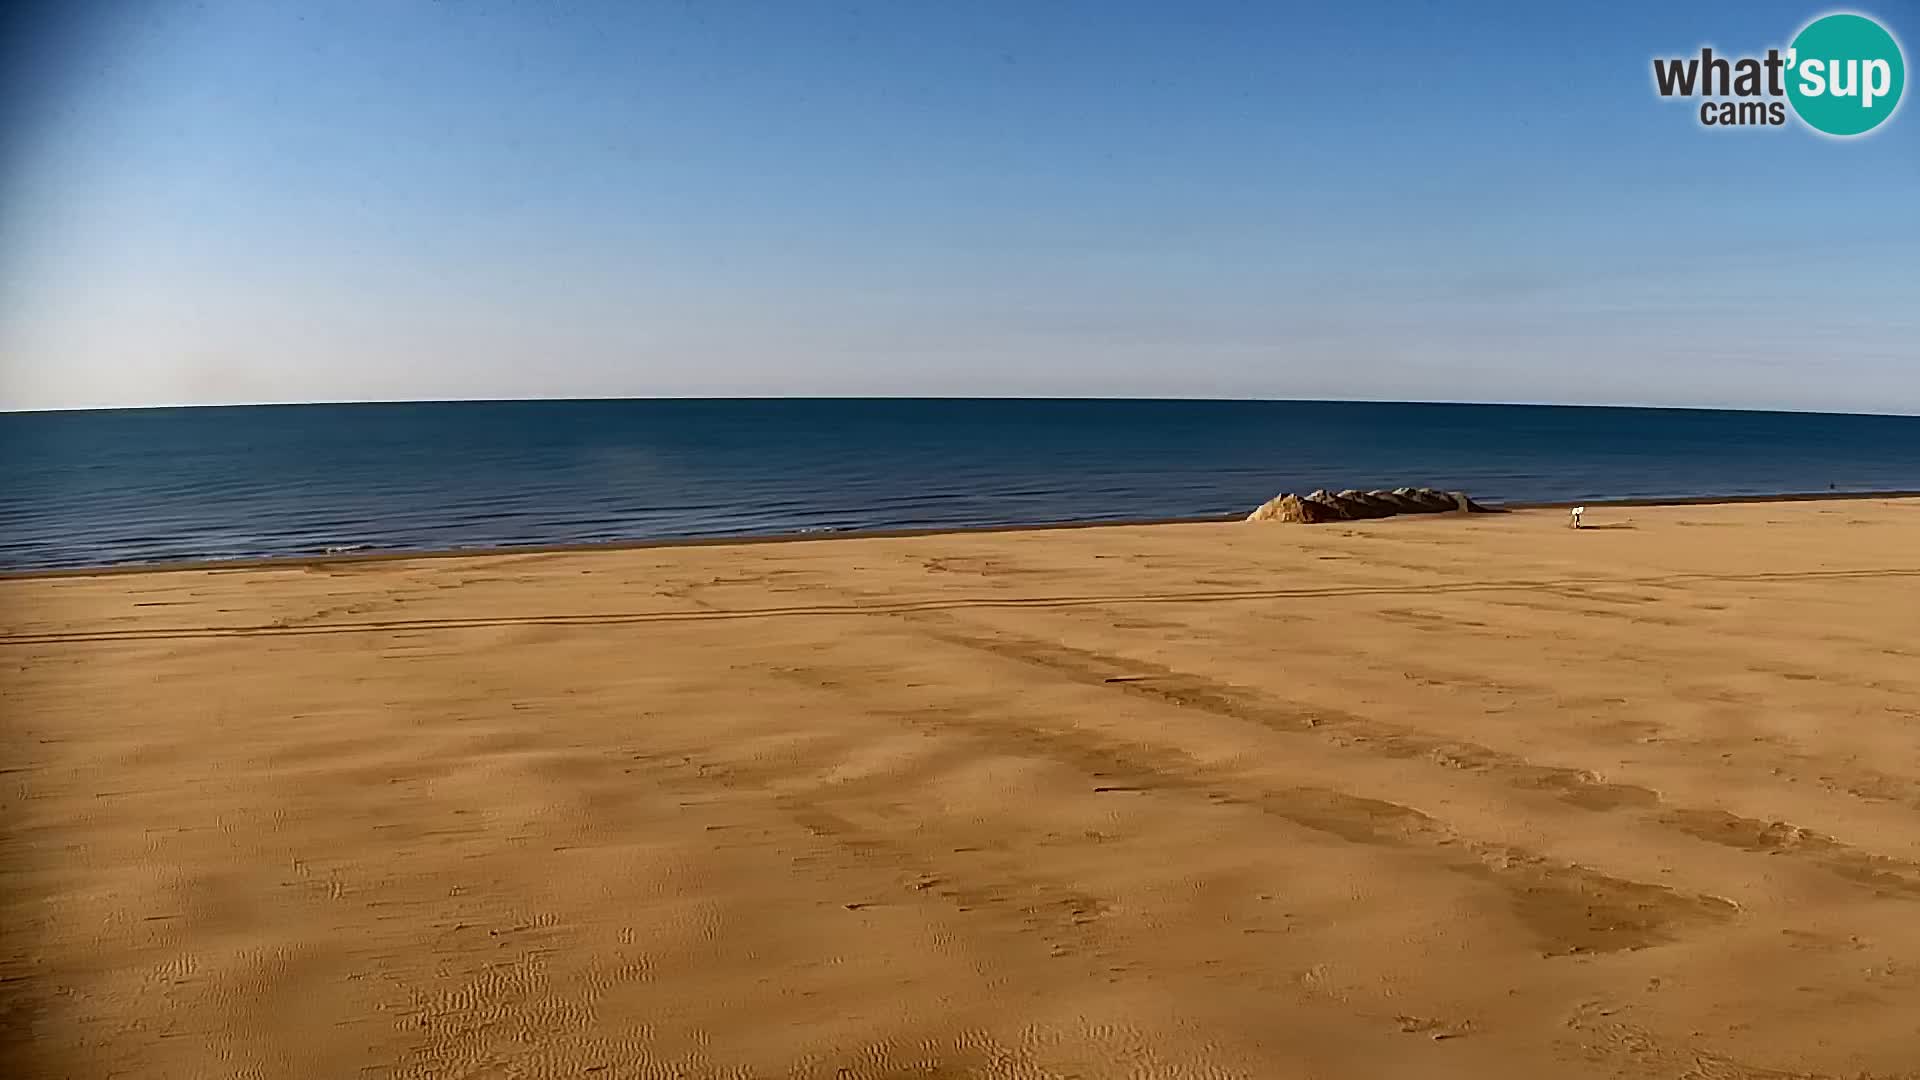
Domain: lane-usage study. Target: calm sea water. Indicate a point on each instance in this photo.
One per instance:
(94, 488)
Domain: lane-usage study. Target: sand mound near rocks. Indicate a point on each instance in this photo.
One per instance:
(1353, 505)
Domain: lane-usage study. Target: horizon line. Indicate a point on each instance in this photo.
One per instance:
(329, 402)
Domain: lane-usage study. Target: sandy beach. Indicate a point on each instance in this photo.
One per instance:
(1424, 797)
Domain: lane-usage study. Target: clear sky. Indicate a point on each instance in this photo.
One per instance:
(247, 200)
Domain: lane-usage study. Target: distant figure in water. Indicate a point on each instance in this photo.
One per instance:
(1577, 511)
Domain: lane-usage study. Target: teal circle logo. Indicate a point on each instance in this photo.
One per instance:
(1844, 74)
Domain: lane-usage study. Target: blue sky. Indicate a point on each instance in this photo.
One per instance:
(242, 200)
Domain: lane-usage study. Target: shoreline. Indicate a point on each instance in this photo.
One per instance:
(755, 539)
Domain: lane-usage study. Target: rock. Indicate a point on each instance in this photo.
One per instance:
(1430, 500)
(1355, 509)
(1374, 503)
(1402, 501)
(1293, 508)
(1355, 505)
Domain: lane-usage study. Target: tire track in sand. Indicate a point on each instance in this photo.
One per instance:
(1885, 875)
(1566, 907)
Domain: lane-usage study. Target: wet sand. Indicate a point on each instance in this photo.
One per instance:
(1426, 797)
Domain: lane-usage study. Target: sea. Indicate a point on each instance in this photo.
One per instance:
(101, 488)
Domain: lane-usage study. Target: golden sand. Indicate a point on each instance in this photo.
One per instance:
(1425, 798)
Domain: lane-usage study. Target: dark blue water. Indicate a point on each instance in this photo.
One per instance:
(94, 488)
